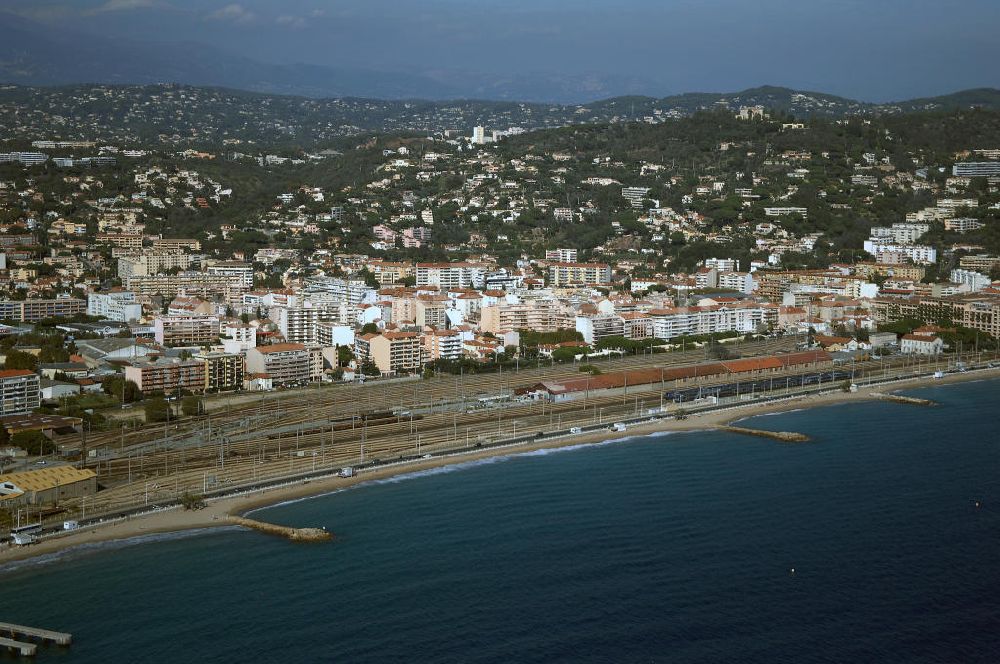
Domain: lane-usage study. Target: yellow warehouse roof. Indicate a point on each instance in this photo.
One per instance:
(47, 478)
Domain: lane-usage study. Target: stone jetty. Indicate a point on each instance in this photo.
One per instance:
(294, 534)
(899, 398)
(783, 436)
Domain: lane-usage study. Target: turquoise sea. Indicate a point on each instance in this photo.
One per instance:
(672, 548)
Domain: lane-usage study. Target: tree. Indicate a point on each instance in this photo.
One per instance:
(192, 501)
(369, 328)
(369, 368)
(192, 405)
(17, 359)
(157, 410)
(344, 355)
(33, 442)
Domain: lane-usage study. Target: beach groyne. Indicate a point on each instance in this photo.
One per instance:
(294, 534)
(782, 436)
(899, 398)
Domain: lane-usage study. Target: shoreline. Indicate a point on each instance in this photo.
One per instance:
(218, 511)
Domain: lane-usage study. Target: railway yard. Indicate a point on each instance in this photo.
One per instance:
(287, 434)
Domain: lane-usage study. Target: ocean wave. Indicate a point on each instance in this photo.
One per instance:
(88, 548)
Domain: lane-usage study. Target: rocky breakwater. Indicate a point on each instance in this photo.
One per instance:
(899, 398)
(782, 436)
(294, 534)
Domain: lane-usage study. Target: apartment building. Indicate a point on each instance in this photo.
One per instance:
(336, 290)
(900, 253)
(535, 315)
(979, 262)
(962, 224)
(976, 169)
(600, 326)
(201, 284)
(451, 275)
(167, 377)
(976, 281)
(396, 352)
(635, 195)
(978, 312)
(176, 244)
(300, 324)
(150, 263)
(579, 274)
(562, 255)
(177, 330)
(241, 274)
(905, 233)
(442, 344)
(115, 305)
(430, 311)
(223, 371)
(786, 212)
(683, 321)
(32, 311)
(387, 272)
(285, 364)
(19, 392)
(637, 325)
(737, 281)
(122, 240)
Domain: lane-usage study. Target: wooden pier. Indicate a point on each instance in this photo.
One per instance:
(783, 436)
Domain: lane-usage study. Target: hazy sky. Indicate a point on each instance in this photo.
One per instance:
(875, 50)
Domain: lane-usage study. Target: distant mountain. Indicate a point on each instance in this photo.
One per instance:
(181, 114)
(32, 54)
(794, 102)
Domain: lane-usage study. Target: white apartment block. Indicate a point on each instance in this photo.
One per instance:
(976, 281)
(737, 281)
(962, 224)
(898, 253)
(561, 255)
(118, 306)
(300, 324)
(240, 273)
(671, 323)
(334, 289)
(600, 326)
(722, 264)
(786, 212)
(451, 275)
(956, 203)
(635, 195)
(906, 233)
(442, 344)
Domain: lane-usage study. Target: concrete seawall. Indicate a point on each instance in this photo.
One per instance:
(294, 534)
(783, 436)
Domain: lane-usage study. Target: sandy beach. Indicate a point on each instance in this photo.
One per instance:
(216, 513)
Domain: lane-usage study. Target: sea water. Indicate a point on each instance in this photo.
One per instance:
(865, 545)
